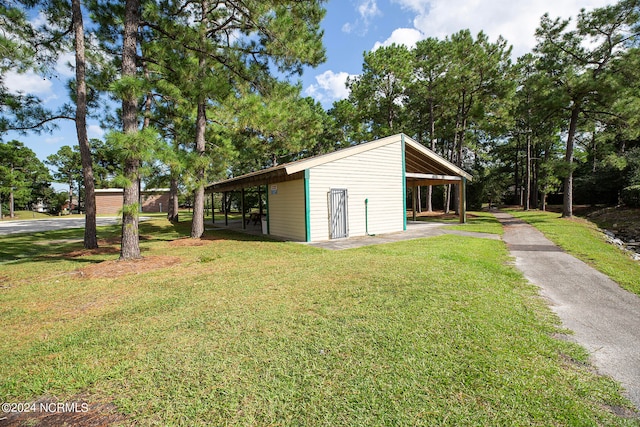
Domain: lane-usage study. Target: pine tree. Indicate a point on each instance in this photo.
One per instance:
(224, 48)
(578, 71)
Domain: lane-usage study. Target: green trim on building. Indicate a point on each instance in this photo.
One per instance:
(404, 186)
(307, 212)
(267, 192)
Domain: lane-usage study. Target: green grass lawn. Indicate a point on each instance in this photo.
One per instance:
(582, 239)
(477, 221)
(29, 215)
(243, 331)
(26, 215)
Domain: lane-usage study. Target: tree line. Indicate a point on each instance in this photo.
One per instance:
(200, 85)
(206, 90)
(25, 181)
(561, 120)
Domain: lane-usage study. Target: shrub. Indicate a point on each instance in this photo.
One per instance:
(631, 196)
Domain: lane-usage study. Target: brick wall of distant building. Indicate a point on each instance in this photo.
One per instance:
(109, 201)
(156, 202)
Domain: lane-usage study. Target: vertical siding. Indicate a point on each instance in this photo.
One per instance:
(286, 210)
(375, 175)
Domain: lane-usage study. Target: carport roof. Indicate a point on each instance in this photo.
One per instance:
(422, 166)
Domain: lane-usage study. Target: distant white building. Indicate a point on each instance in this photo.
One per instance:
(40, 206)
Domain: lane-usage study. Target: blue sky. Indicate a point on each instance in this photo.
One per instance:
(351, 28)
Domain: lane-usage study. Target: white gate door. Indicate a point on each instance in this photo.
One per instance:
(338, 225)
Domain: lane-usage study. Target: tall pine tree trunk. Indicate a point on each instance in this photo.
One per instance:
(447, 192)
(458, 142)
(432, 136)
(535, 192)
(447, 198)
(90, 234)
(516, 174)
(197, 226)
(172, 211)
(527, 188)
(70, 196)
(130, 245)
(567, 205)
(11, 202)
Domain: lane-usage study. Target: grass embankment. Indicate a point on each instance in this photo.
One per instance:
(439, 331)
(582, 239)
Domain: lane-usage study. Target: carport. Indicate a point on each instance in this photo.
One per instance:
(370, 181)
(424, 167)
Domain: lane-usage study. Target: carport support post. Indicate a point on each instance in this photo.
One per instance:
(213, 210)
(463, 200)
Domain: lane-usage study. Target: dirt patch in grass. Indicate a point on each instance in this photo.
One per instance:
(105, 247)
(115, 240)
(116, 268)
(50, 412)
(101, 250)
(189, 242)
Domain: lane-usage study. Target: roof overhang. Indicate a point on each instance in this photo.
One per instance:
(420, 160)
(416, 179)
(423, 167)
(254, 179)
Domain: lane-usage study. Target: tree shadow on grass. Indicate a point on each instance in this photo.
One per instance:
(51, 246)
(67, 244)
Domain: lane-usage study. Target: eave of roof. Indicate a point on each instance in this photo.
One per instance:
(419, 159)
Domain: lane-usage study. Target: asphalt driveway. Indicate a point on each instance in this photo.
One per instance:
(604, 317)
(38, 225)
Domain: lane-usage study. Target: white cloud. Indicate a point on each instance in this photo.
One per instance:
(28, 82)
(347, 28)
(65, 65)
(406, 36)
(368, 9)
(515, 20)
(53, 140)
(95, 131)
(418, 6)
(39, 20)
(330, 87)
(66, 61)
